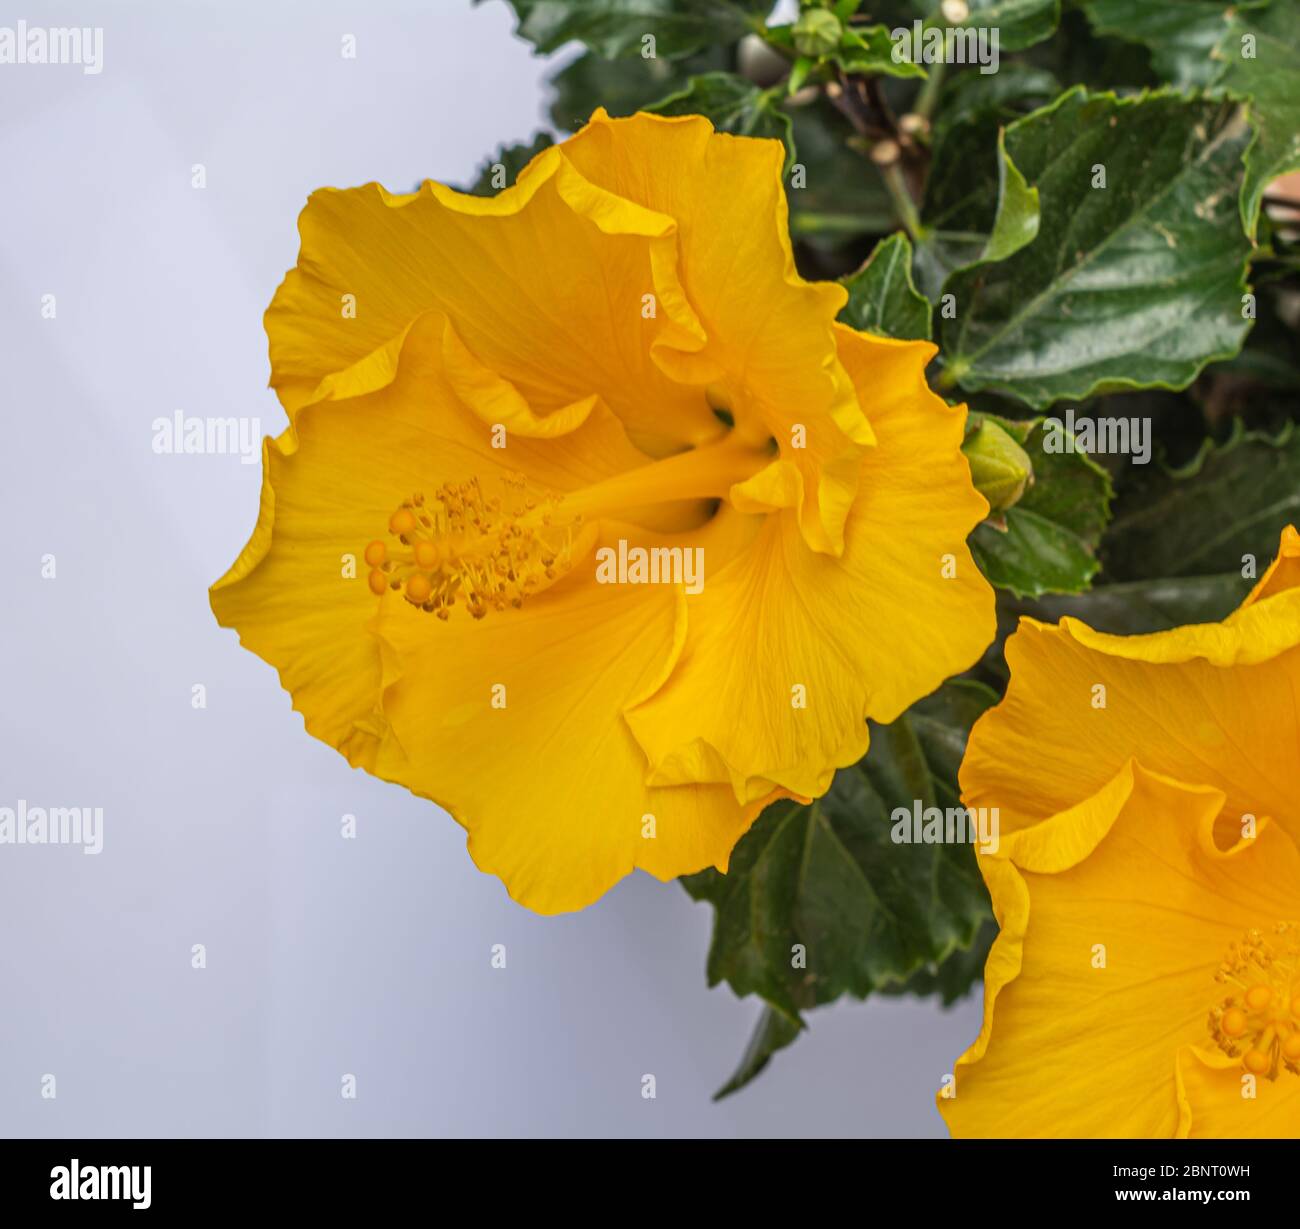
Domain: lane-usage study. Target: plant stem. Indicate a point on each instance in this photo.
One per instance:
(930, 88)
(904, 206)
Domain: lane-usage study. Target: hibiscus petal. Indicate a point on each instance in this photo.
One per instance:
(1283, 573)
(329, 486)
(864, 634)
(550, 786)
(1215, 704)
(1070, 1049)
(546, 283)
(1213, 1104)
(770, 333)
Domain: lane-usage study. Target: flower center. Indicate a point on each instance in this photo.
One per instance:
(494, 550)
(488, 551)
(1259, 1020)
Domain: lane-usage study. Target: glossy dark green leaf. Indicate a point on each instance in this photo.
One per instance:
(977, 205)
(622, 86)
(733, 104)
(819, 901)
(947, 980)
(882, 296)
(1017, 219)
(1260, 53)
(1135, 284)
(1233, 500)
(953, 978)
(1020, 23)
(1047, 542)
(1181, 34)
(616, 28)
(961, 198)
(502, 169)
(1013, 90)
(1080, 56)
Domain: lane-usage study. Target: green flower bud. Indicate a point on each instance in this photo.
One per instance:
(999, 467)
(817, 32)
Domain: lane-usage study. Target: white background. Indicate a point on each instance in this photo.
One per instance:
(222, 826)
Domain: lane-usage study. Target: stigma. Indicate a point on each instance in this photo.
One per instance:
(1258, 1022)
(460, 547)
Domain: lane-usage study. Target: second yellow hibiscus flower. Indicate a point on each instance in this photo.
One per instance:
(1146, 980)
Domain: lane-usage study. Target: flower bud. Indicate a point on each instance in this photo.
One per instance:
(817, 32)
(999, 467)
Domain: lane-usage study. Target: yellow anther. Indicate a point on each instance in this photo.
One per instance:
(1259, 997)
(1255, 1061)
(1256, 1023)
(378, 582)
(459, 546)
(494, 549)
(419, 588)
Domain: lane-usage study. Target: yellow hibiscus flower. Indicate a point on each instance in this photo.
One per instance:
(1146, 979)
(501, 405)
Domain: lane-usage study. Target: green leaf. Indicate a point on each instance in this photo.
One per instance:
(953, 978)
(827, 876)
(977, 205)
(1134, 285)
(1020, 23)
(1271, 81)
(1080, 56)
(948, 980)
(966, 96)
(621, 86)
(882, 298)
(1181, 34)
(1136, 607)
(842, 194)
(501, 170)
(866, 51)
(617, 28)
(774, 1031)
(1017, 218)
(1234, 499)
(734, 104)
(1047, 542)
